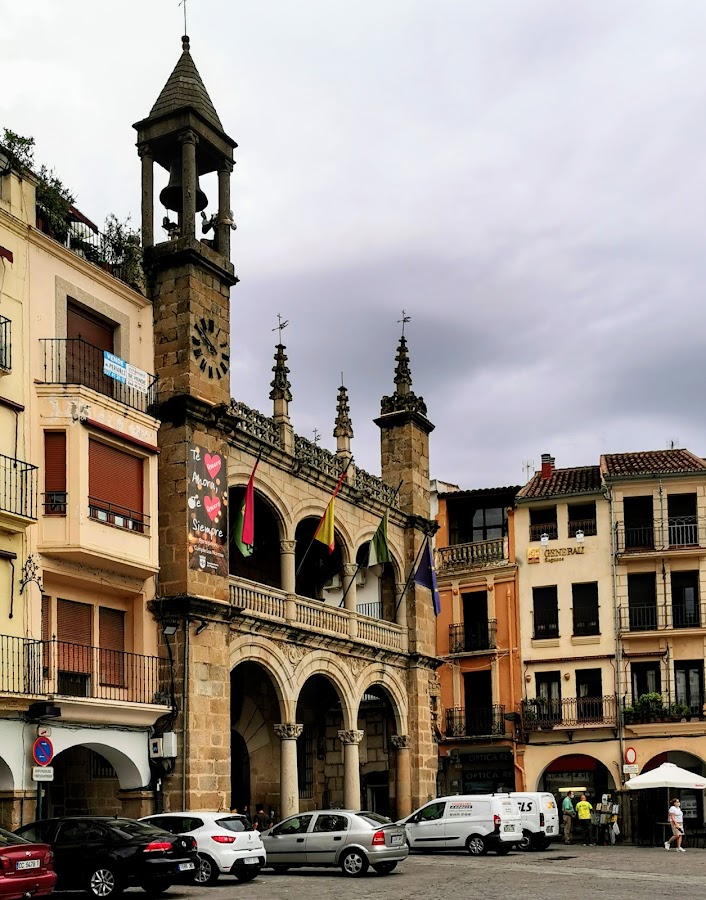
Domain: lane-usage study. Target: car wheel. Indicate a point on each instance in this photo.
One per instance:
(247, 874)
(207, 872)
(502, 849)
(354, 864)
(476, 845)
(156, 886)
(385, 868)
(527, 842)
(104, 883)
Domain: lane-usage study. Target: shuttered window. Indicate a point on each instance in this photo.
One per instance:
(80, 323)
(55, 473)
(115, 486)
(46, 635)
(73, 632)
(111, 639)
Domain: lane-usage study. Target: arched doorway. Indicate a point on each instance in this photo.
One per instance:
(317, 569)
(319, 752)
(375, 589)
(576, 770)
(651, 806)
(85, 784)
(263, 565)
(377, 720)
(254, 711)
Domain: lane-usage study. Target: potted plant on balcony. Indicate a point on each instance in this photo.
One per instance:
(529, 715)
(650, 707)
(679, 712)
(628, 715)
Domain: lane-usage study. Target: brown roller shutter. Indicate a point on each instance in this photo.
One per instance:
(88, 336)
(111, 639)
(55, 473)
(46, 635)
(82, 324)
(73, 632)
(115, 481)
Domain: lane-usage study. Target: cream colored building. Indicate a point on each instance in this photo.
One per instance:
(78, 501)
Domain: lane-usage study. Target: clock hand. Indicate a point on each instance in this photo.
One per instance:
(206, 340)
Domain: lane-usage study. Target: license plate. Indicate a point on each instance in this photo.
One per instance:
(185, 867)
(397, 839)
(27, 864)
(509, 828)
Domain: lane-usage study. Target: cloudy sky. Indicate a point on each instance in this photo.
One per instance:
(527, 178)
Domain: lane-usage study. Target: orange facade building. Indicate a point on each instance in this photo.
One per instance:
(478, 639)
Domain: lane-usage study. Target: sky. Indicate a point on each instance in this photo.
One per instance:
(525, 178)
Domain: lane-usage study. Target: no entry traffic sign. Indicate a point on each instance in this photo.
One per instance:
(43, 751)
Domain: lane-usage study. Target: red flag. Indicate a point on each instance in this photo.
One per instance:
(248, 534)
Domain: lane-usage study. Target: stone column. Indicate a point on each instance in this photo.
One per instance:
(404, 775)
(288, 566)
(224, 210)
(351, 767)
(401, 615)
(288, 733)
(189, 181)
(147, 197)
(349, 586)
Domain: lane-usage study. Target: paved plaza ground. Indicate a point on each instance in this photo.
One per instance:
(577, 873)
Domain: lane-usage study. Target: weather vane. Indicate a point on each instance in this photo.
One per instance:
(183, 3)
(405, 318)
(281, 324)
(317, 436)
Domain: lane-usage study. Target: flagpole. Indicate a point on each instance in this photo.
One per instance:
(360, 565)
(333, 497)
(411, 574)
(257, 463)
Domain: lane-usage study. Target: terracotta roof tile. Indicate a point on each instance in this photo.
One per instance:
(579, 480)
(650, 462)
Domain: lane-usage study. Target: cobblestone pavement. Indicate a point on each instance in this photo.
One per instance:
(577, 873)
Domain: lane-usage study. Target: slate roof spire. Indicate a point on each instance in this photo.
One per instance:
(184, 88)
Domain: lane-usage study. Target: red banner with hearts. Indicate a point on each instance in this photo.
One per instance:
(208, 504)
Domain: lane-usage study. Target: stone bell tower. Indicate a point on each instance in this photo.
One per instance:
(189, 280)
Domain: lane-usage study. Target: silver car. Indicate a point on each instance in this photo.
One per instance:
(336, 837)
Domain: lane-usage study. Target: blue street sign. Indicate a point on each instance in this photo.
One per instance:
(43, 751)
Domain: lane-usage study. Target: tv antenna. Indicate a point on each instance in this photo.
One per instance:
(528, 468)
(672, 443)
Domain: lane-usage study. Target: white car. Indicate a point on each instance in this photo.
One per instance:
(225, 842)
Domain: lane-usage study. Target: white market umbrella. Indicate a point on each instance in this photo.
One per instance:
(668, 775)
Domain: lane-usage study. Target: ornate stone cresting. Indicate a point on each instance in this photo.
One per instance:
(344, 426)
(288, 731)
(404, 399)
(350, 736)
(281, 388)
(400, 741)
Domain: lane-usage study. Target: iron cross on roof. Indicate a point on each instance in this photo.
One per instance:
(405, 318)
(281, 324)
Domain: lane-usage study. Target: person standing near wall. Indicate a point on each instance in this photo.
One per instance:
(583, 811)
(567, 808)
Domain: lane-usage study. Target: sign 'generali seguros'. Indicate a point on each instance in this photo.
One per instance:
(553, 554)
(208, 520)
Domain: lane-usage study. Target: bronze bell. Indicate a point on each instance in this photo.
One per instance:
(171, 194)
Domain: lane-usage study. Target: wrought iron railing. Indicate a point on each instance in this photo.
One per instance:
(572, 712)
(658, 706)
(119, 255)
(18, 487)
(75, 361)
(471, 555)
(473, 638)
(586, 619)
(587, 526)
(655, 617)
(64, 669)
(546, 624)
(5, 344)
(548, 528)
(481, 722)
(675, 533)
(683, 531)
(55, 503)
(119, 516)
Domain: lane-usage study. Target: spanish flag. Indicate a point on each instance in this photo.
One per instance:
(324, 530)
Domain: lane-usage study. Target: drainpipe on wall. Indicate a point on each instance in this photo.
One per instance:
(618, 642)
(185, 713)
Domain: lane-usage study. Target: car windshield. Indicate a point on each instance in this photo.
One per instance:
(131, 828)
(7, 839)
(234, 823)
(374, 819)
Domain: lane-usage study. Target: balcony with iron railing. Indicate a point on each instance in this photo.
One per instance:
(18, 492)
(484, 722)
(546, 624)
(251, 598)
(657, 617)
(541, 714)
(549, 528)
(587, 526)
(5, 345)
(474, 555)
(661, 707)
(65, 670)
(476, 637)
(674, 534)
(74, 361)
(586, 621)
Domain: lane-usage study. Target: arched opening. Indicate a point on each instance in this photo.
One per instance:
(319, 750)
(318, 571)
(254, 711)
(85, 784)
(577, 771)
(378, 760)
(650, 807)
(263, 565)
(7, 804)
(375, 587)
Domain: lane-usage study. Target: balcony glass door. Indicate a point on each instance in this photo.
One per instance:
(475, 621)
(589, 695)
(685, 599)
(682, 522)
(642, 601)
(639, 523)
(548, 698)
(478, 692)
(689, 683)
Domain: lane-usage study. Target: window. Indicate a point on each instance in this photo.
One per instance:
(88, 337)
(100, 768)
(646, 679)
(585, 599)
(330, 823)
(305, 761)
(582, 517)
(589, 695)
(115, 486)
(685, 600)
(689, 683)
(548, 688)
(295, 825)
(111, 640)
(489, 524)
(543, 521)
(74, 654)
(546, 612)
(54, 473)
(639, 523)
(681, 520)
(642, 601)
(432, 812)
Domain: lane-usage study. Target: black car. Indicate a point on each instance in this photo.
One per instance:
(104, 855)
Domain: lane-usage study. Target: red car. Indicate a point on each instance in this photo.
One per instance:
(25, 868)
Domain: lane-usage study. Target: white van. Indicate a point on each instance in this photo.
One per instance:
(478, 822)
(540, 819)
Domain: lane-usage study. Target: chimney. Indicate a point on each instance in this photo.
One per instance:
(547, 465)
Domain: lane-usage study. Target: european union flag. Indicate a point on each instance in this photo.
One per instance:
(425, 576)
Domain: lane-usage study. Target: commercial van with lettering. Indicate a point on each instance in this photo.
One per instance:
(540, 819)
(478, 822)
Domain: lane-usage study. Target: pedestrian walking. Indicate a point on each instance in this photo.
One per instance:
(567, 808)
(676, 820)
(583, 811)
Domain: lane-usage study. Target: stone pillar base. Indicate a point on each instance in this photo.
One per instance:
(17, 808)
(137, 803)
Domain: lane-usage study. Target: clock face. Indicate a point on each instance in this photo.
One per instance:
(209, 345)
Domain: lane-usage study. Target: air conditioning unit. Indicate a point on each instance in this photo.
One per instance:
(333, 584)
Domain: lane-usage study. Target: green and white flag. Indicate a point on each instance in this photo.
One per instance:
(379, 550)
